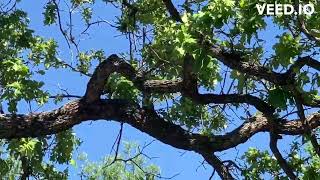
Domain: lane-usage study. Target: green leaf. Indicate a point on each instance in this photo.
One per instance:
(278, 98)
(50, 14)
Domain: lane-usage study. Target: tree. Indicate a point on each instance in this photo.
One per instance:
(188, 67)
(131, 166)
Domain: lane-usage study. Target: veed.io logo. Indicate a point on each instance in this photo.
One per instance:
(285, 9)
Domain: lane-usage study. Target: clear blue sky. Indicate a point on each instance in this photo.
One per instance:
(98, 137)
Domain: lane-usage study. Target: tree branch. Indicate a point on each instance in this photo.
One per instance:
(286, 80)
(190, 89)
(237, 62)
(146, 120)
(302, 25)
(303, 61)
(310, 133)
(188, 86)
(172, 10)
(218, 165)
(91, 107)
(282, 162)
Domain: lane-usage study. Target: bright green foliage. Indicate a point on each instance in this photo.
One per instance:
(81, 2)
(249, 20)
(220, 11)
(149, 12)
(87, 14)
(16, 80)
(18, 86)
(63, 149)
(44, 53)
(120, 87)
(86, 59)
(313, 170)
(172, 42)
(287, 48)
(259, 164)
(32, 152)
(131, 165)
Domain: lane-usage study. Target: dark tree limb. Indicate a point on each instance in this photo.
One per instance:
(237, 62)
(97, 82)
(146, 120)
(114, 64)
(287, 80)
(218, 165)
(282, 162)
(305, 61)
(92, 107)
(26, 171)
(172, 10)
(310, 133)
(188, 87)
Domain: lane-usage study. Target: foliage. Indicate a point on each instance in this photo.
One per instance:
(261, 164)
(30, 153)
(131, 164)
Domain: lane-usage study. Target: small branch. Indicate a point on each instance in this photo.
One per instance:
(98, 23)
(75, 69)
(60, 23)
(65, 96)
(118, 141)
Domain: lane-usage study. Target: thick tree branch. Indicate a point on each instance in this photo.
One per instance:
(91, 107)
(146, 120)
(237, 62)
(25, 166)
(218, 165)
(188, 86)
(286, 80)
(114, 64)
(305, 61)
(172, 10)
(282, 162)
(97, 82)
(190, 89)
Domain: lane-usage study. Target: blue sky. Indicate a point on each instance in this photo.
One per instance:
(98, 137)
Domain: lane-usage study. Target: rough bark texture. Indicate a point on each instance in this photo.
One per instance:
(91, 107)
